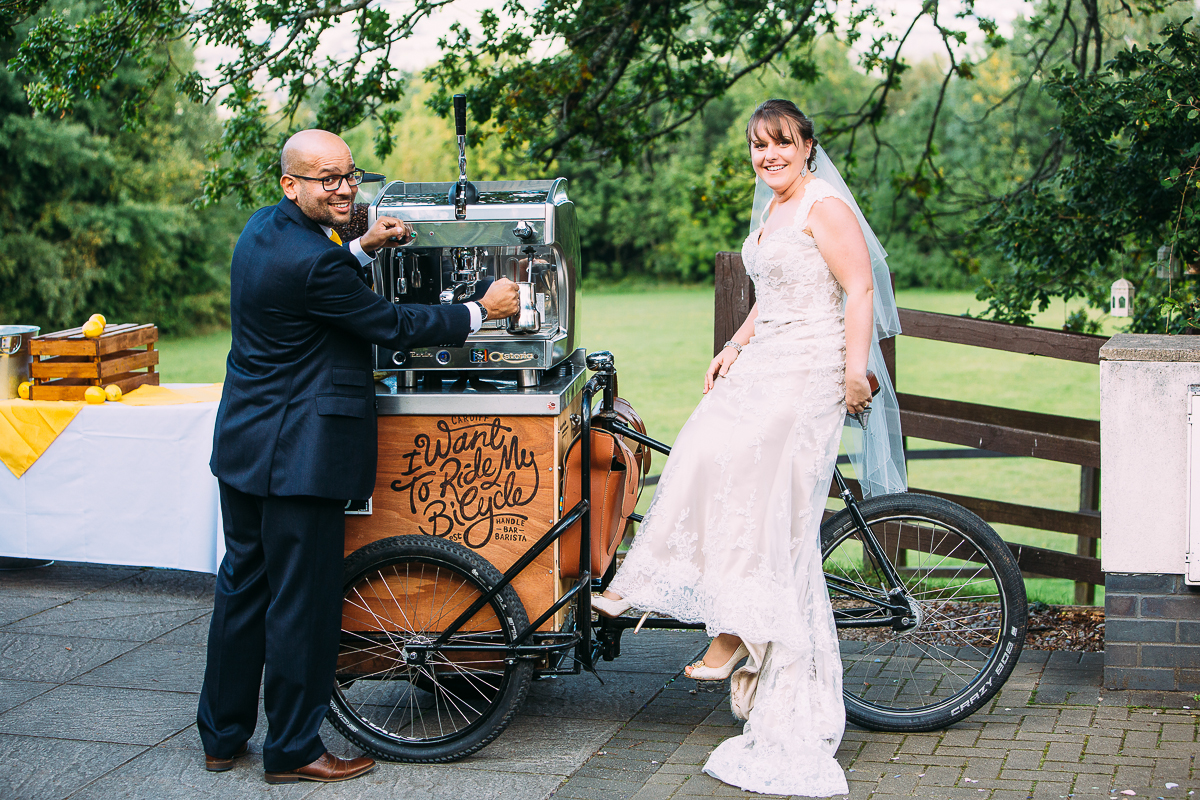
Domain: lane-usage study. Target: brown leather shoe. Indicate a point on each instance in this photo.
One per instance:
(214, 764)
(326, 769)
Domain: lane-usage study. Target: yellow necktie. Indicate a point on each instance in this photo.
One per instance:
(334, 236)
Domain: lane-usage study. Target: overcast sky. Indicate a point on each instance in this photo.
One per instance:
(421, 49)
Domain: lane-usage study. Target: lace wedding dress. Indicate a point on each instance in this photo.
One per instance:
(732, 538)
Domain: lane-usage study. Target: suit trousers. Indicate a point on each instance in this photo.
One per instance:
(276, 619)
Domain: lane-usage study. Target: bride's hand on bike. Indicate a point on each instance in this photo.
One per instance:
(858, 393)
(719, 366)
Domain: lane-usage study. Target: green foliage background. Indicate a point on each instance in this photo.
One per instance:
(662, 219)
(1133, 135)
(97, 218)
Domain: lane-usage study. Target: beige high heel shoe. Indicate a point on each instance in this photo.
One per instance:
(700, 672)
(615, 608)
(610, 608)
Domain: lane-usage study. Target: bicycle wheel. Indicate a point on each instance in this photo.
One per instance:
(394, 704)
(963, 621)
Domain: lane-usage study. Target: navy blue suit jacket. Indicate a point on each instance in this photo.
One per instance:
(297, 414)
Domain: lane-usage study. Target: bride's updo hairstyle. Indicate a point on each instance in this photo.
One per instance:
(783, 120)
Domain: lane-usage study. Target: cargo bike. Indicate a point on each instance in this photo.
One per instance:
(438, 649)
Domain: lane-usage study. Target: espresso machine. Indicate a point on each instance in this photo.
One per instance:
(465, 235)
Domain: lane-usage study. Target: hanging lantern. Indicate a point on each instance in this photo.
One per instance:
(1122, 298)
(1167, 266)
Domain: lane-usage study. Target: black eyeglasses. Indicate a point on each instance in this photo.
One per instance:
(331, 183)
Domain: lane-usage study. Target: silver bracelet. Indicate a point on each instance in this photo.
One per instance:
(734, 345)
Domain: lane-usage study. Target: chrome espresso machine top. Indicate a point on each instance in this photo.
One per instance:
(467, 235)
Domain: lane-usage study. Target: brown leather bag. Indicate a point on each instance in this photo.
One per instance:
(613, 498)
(625, 413)
(641, 453)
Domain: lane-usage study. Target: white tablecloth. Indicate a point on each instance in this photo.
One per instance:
(121, 485)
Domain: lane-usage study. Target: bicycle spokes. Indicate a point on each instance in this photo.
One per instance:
(925, 644)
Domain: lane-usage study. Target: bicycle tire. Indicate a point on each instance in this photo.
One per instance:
(409, 589)
(966, 635)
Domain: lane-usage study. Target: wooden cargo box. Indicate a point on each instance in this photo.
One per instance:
(66, 363)
(491, 483)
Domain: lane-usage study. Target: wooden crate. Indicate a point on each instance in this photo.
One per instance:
(66, 363)
(488, 482)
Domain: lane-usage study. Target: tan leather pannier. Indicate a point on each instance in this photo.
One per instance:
(641, 453)
(614, 495)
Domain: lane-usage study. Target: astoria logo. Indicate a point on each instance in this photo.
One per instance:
(479, 356)
(512, 358)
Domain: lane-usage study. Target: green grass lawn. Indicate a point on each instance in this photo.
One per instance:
(662, 340)
(195, 359)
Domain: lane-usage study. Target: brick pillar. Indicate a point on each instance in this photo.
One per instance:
(1151, 633)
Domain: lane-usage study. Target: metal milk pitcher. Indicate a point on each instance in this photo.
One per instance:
(527, 319)
(15, 357)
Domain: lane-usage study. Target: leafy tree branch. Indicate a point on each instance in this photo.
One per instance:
(1134, 144)
(602, 79)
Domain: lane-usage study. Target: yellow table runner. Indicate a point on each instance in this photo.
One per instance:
(162, 396)
(28, 427)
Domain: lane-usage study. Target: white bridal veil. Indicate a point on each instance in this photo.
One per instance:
(876, 449)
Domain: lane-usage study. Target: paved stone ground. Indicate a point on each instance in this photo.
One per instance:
(100, 669)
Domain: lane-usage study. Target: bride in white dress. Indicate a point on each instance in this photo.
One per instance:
(732, 537)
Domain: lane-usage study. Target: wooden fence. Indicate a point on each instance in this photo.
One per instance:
(1000, 430)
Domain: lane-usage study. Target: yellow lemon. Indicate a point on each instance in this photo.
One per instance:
(93, 328)
(23, 390)
(99, 318)
(94, 395)
(112, 392)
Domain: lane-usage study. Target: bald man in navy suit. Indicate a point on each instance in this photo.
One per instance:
(295, 439)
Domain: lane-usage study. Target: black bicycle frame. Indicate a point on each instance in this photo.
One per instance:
(580, 592)
(862, 617)
(607, 643)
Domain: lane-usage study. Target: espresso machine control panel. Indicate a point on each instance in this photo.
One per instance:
(521, 230)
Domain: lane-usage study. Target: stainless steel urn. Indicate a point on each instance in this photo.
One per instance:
(14, 357)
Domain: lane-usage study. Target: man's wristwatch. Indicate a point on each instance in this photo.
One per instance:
(483, 315)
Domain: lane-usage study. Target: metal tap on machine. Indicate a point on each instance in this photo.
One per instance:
(466, 235)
